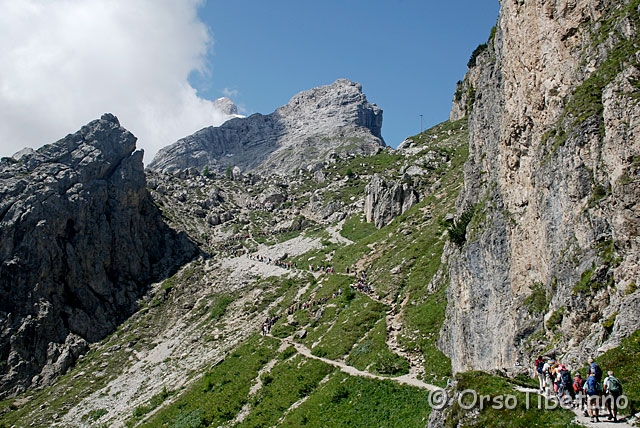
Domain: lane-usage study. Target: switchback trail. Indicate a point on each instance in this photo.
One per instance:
(405, 379)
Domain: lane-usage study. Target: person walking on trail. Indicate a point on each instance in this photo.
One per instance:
(578, 385)
(595, 369)
(565, 385)
(538, 367)
(593, 390)
(548, 375)
(612, 390)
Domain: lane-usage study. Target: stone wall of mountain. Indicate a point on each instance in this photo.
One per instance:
(315, 123)
(387, 199)
(551, 260)
(80, 241)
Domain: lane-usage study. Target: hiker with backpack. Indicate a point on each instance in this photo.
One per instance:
(538, 367)
(578, 385)
(594, 391)
(613, 390)
(565, 385)
(548, 375)
(595, 369)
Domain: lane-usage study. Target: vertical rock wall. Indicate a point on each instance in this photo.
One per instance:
(552, 250)
(80, 241)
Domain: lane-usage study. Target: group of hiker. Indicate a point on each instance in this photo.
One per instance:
(362, 285)
(321, 268)
(586, 394)
(311, 303)
(265, 328)
(277, 262)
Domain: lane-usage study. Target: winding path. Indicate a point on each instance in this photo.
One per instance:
(407, 379)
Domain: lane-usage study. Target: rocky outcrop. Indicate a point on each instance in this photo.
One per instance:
(80, 241)
(226, 106)
(386, 200)
(315, 123)
(550, 261)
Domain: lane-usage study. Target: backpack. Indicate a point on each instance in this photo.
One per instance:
(578, 384)
(593, 386)
(540, 366)
(566, 377)
(596, 370)
(615, 386)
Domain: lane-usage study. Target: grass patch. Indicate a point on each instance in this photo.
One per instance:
(537, 302)
(373, 354)
(555, 319)
(95, 414)
(623, 360)
(220, 394)
(346, 401)
(352, 322)
(427, 317)
(356, 228)
(219, 306)
(458, 229)
(274, 287)
(141, 411)
(289, 381)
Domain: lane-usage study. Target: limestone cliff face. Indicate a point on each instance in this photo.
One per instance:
(385, 200)
(551, 260)
(80, 241)
(315, 123)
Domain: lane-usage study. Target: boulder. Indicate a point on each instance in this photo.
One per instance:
(385, 200)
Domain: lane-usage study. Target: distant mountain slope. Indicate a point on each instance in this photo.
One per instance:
(315, 123)
(193, 351)
(80, 241)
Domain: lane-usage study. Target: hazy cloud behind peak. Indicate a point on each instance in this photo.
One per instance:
(64, 63)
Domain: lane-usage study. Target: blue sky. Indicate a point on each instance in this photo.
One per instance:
(158, 64)
(407, 54)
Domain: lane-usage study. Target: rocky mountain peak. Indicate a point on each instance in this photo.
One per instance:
(80, 241)
(226, 106)
(339, 104)
(327, 119)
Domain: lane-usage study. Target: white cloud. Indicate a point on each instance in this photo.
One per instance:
(64, 63)
(230, 93)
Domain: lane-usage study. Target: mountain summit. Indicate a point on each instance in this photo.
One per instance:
(81, 242)
(314, 124)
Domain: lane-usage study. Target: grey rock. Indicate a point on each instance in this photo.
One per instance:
(273, 195)
(385, 200)
(236, 173)
(315, 123)
(80, 240)
(22, 153)
(552, 208)
(414, 170)
(406, 144)
(226, 106)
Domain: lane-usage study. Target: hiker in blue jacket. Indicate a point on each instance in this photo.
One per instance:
(594, 391)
